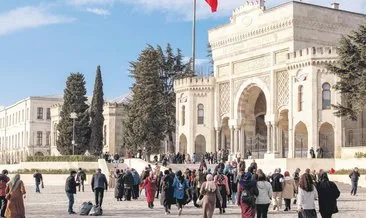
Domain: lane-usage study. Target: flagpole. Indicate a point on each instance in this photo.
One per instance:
(194, 38)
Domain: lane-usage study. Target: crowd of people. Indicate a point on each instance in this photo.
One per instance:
(234, 182)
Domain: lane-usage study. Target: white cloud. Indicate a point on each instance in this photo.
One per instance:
(98, 11)
(28, 17)
(89, 2)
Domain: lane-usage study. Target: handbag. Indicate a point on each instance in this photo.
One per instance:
(42, 185)
(200, 200)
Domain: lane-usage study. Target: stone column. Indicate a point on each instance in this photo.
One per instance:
(222, 139)
(237, 139)
(269, 137)
(217, 130)
(232, 139)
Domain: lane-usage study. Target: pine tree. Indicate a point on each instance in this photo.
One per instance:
(74, 101)
(146, 108)
(96, 115)
(351, 69)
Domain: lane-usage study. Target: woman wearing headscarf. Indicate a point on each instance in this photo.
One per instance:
(150, 184)
(119, 188)
(247, 193)
(328, 194)
(306, 196)
(289, 189)
(15, 193)
(223, 185)
(112, 181)
(181, 186)
(211, 194)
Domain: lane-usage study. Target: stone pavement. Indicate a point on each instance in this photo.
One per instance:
(52, 202)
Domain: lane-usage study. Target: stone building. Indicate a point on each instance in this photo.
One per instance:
(25, 128)
(112, 128)
(270, 93)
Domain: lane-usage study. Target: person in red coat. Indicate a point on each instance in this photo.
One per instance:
(151, 186)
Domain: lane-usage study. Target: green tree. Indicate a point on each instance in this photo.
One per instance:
(74, 101)
(351, 69)
(96, 115)
(145, 121)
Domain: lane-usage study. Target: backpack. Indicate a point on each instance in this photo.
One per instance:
(96, 211)
(85, 208)
(247, 197)
(277, 184)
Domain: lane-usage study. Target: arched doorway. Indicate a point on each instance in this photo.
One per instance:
(301, 140)
(283, 136)
(326, 140)
(38, 154)
(200, 145)
(183, 144)
(225, 134)
(252, 109)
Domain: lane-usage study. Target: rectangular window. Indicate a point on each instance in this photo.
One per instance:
(39, 138)
(48, 116)
(48, 134)
(40, 113)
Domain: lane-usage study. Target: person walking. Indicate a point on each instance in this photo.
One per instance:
(247, 193)
(277, 188)
(38, 179)
(119, 187)
(81, 177)
(354, 176)
(150, 184)
(289, 189)
(210, 192)
(70, 189)
(136, 183)
(264, 195)
(167, 191)
(16, 192)
(296, 177)
(128, 184)
(223, 185)
(181, 186)
(4, 179)
(306, 197)
(112, 181)
(99, 184)
(328, 193)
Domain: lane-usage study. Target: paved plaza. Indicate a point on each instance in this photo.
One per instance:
(52, 202)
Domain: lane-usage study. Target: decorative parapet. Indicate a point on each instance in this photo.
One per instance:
(311, 56)
(194, 83)
(248, 6)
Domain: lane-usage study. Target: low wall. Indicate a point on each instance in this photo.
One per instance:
(347, 180)
(350, 163)
(49, 179)
(50, 165)
(349, 152)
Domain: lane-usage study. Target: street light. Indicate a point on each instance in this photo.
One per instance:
(73, 116)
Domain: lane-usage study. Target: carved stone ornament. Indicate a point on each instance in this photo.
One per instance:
(301, 76)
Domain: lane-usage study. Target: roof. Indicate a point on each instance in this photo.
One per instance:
(122, 99)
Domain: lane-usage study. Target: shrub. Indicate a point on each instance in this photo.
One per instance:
(360, 155)
(348, 171)
(52, 171)
(66, 158)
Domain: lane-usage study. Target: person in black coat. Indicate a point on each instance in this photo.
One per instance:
(328, 193)
(167, 191)
(128, 184)
(70, 188)
(119, 188)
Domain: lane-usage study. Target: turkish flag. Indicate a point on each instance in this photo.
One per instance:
(213, 4)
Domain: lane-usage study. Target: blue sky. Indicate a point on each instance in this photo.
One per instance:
(42, 42)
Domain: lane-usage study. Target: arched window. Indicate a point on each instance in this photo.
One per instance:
(183, 115)
(300, 98)
(326, 96)
(200, 113)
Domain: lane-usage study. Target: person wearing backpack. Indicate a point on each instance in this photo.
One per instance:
(263, 199)
(167, 191)
(81, 177)
(277, 188)
(223, 185)
(247, 193)
(4, 179)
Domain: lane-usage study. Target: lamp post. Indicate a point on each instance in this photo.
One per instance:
(73, 116)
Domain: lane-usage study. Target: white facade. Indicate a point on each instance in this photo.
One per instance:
(25, 128)
(270, 93)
